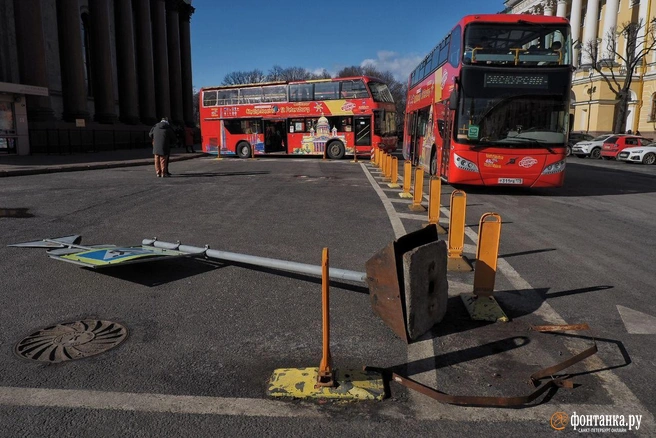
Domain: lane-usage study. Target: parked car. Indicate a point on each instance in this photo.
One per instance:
(575, 137)
(639, 154)
(615, 144)
(591, 148)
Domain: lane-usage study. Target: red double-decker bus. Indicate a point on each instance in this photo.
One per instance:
(336, 116)
(490, 104)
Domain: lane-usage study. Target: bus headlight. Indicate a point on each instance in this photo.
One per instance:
(554, 168)
(463, 164)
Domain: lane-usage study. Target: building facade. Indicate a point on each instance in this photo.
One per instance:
(92, 74)
(594, 105)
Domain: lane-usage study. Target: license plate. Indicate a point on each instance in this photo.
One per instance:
(511, 181)
(624, 155)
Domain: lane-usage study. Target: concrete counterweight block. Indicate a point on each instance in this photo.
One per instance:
(426, 287)
(407, 283)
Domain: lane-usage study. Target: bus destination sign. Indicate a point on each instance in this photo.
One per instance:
(516, 80)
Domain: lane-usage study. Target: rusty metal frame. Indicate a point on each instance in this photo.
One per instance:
(485, 401)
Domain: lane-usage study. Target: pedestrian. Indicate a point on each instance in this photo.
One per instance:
(189, 139)
(638, 132)
(162, 136)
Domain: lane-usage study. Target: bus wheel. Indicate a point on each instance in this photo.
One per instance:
(433, 163)
(243, 150)
(335, 150)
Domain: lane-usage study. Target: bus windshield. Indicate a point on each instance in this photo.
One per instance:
(521, 44)
(513, 121)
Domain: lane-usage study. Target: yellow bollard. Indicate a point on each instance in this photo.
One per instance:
(418, 191)
(458, 208)
(434, 203)
(481, 305)
(325, 377)
(395, 173)
(355, 155)
(374, 155)
(407, 179)
(387, 174)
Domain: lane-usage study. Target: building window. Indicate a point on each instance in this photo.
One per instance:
(635, 3)
(652, 113)
(86, 51)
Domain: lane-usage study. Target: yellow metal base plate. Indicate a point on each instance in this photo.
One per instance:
(458, 263)
(483, 308)
(406, 195)
(417, 207)
(393, 186)
(351, 385)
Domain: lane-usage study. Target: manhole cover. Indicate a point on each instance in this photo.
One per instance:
(15, 212)
(71, 340)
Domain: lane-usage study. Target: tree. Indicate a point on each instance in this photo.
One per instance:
(616, 67)
(244, 77)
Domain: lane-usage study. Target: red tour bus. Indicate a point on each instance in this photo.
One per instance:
(490, 104)
(338, 116)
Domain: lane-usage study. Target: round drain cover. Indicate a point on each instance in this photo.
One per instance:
(71, 340)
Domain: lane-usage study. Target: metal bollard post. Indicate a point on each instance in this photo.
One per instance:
(418, 191)
(456, 243)
(487, 252)
(395, 173)
(407, 179)
(481, 304)
(325, 376)
(387, 175)
(355, 155)
(434, 203)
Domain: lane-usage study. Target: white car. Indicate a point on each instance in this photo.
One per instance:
(639, 154)
(591, 148)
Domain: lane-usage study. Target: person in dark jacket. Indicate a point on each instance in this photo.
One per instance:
(163, 138)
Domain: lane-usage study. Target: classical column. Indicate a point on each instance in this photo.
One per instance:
(175, 65)
(160, 59)
(125, 63)
(101, 61)
(549, 8)
(590, 30)
(144, 50)
(32, 56)
(185, 55)
(575, 23)
(561, 10)
(644, 23)
(74, 91)
(610, 23)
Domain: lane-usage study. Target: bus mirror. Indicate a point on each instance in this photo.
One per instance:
(453, 100)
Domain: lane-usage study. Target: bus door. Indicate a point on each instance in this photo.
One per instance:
(275, 136)
(446, 143)
(362, 130)
(414, 138)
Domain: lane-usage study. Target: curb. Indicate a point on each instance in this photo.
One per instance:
(90, 166)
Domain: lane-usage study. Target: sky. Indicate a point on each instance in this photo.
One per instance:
(392, 35)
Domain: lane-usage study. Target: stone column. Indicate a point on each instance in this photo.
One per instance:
(74, 90)
(590, 30)
(125, 63)
(185, 55)
(101, 62)
(644, 21)
(32, 56)
(575, 23)
(160, 59)
(144, 51)
(610, 24)
(175, 65)
(561, 10)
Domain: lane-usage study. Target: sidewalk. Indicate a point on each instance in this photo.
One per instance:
(17, 165)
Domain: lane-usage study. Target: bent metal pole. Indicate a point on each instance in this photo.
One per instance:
(299, 268)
